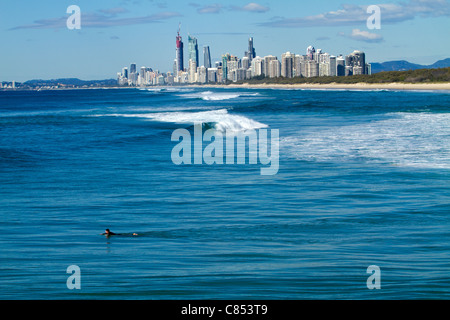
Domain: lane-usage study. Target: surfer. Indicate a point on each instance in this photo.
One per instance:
(110, 233)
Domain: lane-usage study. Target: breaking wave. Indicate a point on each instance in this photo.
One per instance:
(220, 120)
(217, 96)
(420, 140)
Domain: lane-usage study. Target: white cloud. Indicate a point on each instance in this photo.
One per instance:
(365, 36)
(213, 8)
(254, 7)
(350, 14)
(100, 20)
(251, 7)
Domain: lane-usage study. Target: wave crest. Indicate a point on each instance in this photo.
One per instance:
(217, 96)
(220, 120)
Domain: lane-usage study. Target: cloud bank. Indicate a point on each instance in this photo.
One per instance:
(350, 14)
(101, 19)
(215, 8)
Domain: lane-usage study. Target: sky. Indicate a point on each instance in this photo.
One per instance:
(37, 44)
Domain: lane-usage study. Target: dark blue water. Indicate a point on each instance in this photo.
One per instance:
(363, 180)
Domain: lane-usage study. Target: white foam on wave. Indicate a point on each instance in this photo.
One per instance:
(221, 120)
(217, 96)
(419, 140)
(152, 89)
(174, 108)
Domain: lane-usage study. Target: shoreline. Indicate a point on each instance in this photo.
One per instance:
(357, 86)
(352, 86)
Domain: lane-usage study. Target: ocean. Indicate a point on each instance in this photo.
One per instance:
(362, 180)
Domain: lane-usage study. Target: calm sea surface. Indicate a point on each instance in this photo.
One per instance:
(363, 180)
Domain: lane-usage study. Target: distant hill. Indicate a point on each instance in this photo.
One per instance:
(403, 65)
(71, 82)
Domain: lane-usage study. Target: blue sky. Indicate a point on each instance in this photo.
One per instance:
(36, 44)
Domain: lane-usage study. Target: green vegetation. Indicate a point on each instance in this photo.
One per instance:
(439, 75)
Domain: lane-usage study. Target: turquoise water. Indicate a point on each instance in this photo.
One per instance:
(363, 180)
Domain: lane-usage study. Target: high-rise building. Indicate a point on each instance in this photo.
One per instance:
(368, 68)
(212, 74)
(179, 56)
(125, 72)
(317, 55)
(245, 62)
(202, 74)
(230, 63)
(340, 66)
(332, 71)
(356, 60)
(132, 76)
(324, 64)
(251, 53)
(192, 71)
(274, 69)
(175, 67)
(267, 60)
(193, 49)
(225, 59)
(232, 66)
(257, 66)
(206, 57)
(310, 69)
(348, 70)
(133, 68)
(142, 72)
(310, 51)
(297, 65)
(287, 65)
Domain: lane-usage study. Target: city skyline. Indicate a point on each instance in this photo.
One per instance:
(231, 68)
(115, 33)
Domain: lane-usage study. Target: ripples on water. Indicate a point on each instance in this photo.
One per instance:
(363, 180)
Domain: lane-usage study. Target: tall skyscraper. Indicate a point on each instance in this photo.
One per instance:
(267, 60)
(245, 63)
(206, 57)
(368, 68)
(274, 69)
(357, 60)
(251, 53)
(257, 66)
(193, 49)
(310, 51)
(287, 65)
(225, 59)
(125, 72)
(179, 57)
(133, 68)
(133, 74)
(333, 66)
(212, 75)
(340, 66)
(202, 74)
(192, 71)
(175, 67)
(310, 69)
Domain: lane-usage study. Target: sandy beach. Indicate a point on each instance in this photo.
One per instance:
(350, 86)
(361, 86)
